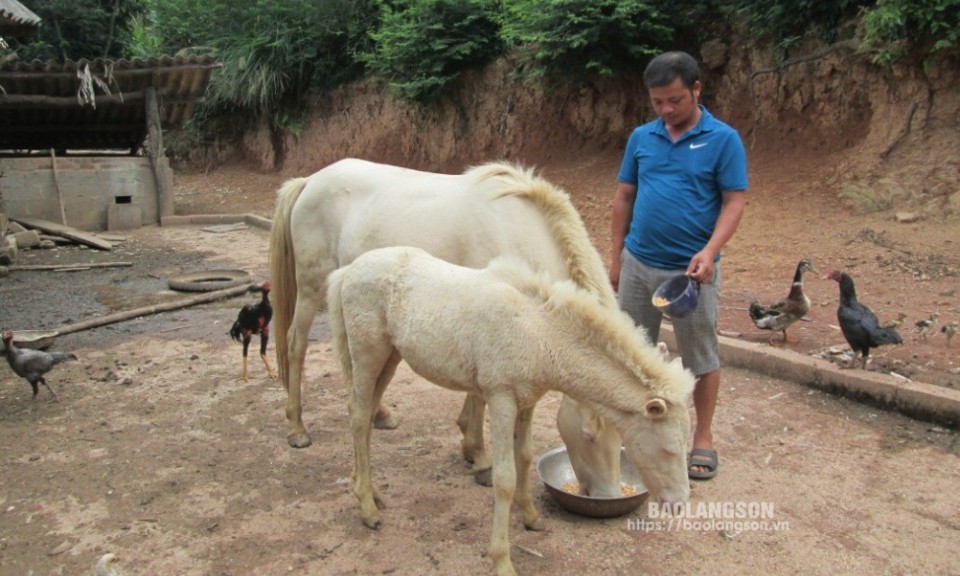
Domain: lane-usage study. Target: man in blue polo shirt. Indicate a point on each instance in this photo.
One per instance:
(679, 199)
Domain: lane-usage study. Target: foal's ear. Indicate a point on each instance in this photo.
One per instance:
(656, 408)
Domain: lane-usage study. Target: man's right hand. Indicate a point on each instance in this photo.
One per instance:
(615, 274)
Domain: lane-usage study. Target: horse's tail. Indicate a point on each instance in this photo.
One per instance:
(584, 264)
(337, 324)
(283, 271)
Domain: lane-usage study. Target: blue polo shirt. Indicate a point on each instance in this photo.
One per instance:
(679, 187)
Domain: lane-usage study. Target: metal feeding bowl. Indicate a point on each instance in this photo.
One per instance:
(677, 297)
(555, 470)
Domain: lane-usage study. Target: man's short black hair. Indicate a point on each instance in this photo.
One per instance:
(667, 67)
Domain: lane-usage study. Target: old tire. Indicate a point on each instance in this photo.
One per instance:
(209, 280)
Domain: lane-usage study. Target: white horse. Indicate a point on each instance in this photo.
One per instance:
(506, 336)
(352, 206)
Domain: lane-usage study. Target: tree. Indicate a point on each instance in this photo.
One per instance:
(423, 45)
(577, 38)
(75, 29)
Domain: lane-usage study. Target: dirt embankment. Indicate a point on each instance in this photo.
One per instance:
(887, 135)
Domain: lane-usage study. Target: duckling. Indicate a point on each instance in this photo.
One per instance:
(105, 566)
(780, 316)
(949, 329)
(894, 324)
(926, 325)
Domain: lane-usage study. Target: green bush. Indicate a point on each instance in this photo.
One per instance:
(423, 45)
(577, 38)
(272, 52)
(897, 27)
(785, 22)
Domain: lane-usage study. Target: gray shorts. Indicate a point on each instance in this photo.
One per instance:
(696, 334)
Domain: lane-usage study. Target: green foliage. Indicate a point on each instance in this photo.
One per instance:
(696, 21)
(576, 38)
(143, 42)
(897, 27)
(76, 29)
(272, 52)
(785, 22)
(423, 45)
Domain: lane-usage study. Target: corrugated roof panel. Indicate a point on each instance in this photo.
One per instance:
(41, 108)
(17, 13)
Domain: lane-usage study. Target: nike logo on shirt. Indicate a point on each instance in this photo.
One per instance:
(695, 146)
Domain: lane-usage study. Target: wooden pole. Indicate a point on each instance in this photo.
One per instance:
(157, 308)
(156, 154)
(56, 184)
(23, 267)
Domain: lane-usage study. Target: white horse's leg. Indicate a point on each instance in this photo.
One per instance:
(304, 312)
(503, 416)
(470, 422)
(523, 454)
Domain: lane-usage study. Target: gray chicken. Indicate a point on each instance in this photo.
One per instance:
(33, 364)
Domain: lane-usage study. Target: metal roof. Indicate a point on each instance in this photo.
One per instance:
(16, 19)
(95, 104)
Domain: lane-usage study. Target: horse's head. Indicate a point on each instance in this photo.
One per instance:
(656, 437)
(656, 445)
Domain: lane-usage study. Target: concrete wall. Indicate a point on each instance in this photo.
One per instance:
(90, 185)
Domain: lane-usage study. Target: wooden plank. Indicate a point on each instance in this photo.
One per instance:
(156, 309)
(65, 231)
(68, 102)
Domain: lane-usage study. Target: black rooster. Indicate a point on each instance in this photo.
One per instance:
(255, 319)
(33, 364)
(858, 323)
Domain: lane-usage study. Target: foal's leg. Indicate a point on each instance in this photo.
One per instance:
(383, 420)
(523, 455)
(503, 415)
(470, 422)
(372, 369)
(304, 312)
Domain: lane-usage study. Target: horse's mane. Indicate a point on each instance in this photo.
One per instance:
(518, 274)
(599, 326)
(612, 331)
(586, 268)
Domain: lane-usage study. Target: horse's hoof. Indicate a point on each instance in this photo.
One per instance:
(372, 523)
(484, 477)
(301, 440)
(535, 525)
(385, 422)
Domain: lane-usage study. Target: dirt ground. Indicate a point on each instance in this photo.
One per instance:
(158, 453)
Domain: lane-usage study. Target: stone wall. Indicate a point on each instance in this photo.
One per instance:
(91, 187)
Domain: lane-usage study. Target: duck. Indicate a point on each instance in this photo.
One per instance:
(781, 315)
